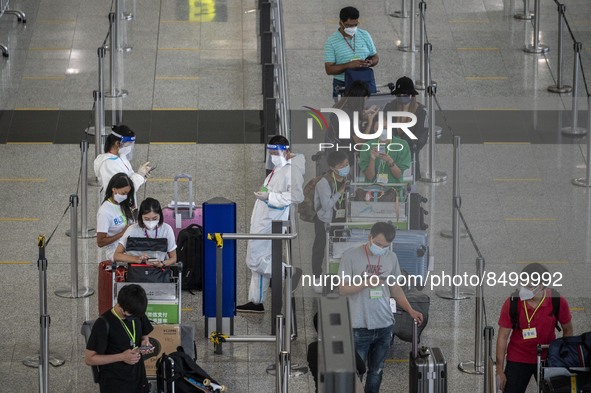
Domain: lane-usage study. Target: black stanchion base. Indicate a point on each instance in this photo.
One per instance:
(296, 370)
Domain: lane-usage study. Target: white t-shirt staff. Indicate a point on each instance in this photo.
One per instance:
(111, 219)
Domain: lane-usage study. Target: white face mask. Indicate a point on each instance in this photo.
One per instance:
(124, 151)
(151, 224)
(350, 30)
(278, 160)
(526, 293)
(119, 198)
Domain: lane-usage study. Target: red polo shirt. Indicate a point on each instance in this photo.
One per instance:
(525, 351)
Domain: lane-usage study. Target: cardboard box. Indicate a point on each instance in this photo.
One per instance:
(168, 337)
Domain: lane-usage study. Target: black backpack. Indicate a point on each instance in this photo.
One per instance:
(86, 330)
(190, 253)
(186, 375)
(514, 312)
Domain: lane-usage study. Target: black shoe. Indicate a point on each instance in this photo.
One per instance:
(251, 307)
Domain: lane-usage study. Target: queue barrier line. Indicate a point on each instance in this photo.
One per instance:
(533, 179)
(15, 263)
(543, 262)
(22, 219)
(23, 180)
(530, 219)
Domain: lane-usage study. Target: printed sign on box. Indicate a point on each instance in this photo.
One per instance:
(166, 338)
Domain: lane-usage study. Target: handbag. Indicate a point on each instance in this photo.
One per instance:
(146, 244)
(364, 74)
(147, 273)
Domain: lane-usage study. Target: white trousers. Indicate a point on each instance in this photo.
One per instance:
(259, 285)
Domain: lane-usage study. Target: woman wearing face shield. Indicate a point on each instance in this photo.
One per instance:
(534, 323)
(119, 146)
(281, 188)
(114, 215)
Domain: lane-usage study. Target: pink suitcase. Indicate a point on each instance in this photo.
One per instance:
(179, 217)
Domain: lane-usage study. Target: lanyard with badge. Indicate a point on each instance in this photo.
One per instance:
(352, 47)
(374, 293)
(131, 336)
(123, 215)
(155, 237)
(265, 184)
(339, 210)
(530, 332)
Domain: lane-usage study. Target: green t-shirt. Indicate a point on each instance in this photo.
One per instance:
(400, 153)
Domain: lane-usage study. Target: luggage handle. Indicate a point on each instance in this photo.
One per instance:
(415, 340)
(176, 194)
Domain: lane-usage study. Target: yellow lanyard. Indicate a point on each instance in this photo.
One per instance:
(335, 190)
(131, 336)
(123, 215)
(534, 313)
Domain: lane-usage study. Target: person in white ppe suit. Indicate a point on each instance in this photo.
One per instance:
(282, 187)
(115, 159)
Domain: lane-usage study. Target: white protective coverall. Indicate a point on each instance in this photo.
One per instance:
(285, 186)
(106, 165)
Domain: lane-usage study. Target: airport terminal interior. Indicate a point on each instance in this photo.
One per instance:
(194, 99)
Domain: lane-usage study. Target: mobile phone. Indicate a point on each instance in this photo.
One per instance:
(146, 348)
(152, 168)
(152, 260)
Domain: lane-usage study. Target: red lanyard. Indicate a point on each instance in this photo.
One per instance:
(270, 177)
(368, 261)
(155, 237)
(352, 47)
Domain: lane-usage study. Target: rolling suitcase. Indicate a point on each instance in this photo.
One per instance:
(428, 368)
(416, 215)
(180, 215)
(412, 250)
(105, 284)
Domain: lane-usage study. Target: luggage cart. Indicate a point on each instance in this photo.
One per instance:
(372, 202)
(561, 379)
(164, 299)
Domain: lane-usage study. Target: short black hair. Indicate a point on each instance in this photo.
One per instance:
(336, 157)
(111, 139)
(132, 298)
(349, 13)
(535, 268)
(279, 140)
(358, 88)
(383, 228)
(149, 205)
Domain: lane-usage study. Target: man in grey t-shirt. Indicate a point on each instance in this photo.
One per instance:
(369, 300)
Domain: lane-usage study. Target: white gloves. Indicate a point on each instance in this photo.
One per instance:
(144, 170)
(263, 196)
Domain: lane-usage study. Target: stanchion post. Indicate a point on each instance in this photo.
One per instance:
(454, 293)
(489, 380)
(114, 92)
(285, 371)
(574, 129)
(44, 320)
(219, 293)
(525, 15)
(476, 366)
(535, 47)
(403, 13)
(74, 291)
(85, 232)
(420, 83)
(559, 87)
(276, 272)
(433, 176)
(411, 47)
(586, 181)
(279, 336)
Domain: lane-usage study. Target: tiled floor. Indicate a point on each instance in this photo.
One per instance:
(197, 79)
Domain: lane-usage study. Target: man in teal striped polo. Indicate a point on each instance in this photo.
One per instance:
(348, 47)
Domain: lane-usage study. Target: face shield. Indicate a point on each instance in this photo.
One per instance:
(126, 145)
(277, 154)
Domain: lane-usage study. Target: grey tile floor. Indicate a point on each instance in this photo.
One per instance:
(517, 198)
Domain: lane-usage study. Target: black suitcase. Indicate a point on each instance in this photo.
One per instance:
(416, 214)
(178, 373)
(428, 368)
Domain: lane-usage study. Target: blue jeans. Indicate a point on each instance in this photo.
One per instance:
(373, 346)
(337, 88)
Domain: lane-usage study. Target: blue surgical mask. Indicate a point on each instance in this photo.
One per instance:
(404, 100)
(377, 250)
(344, 172)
